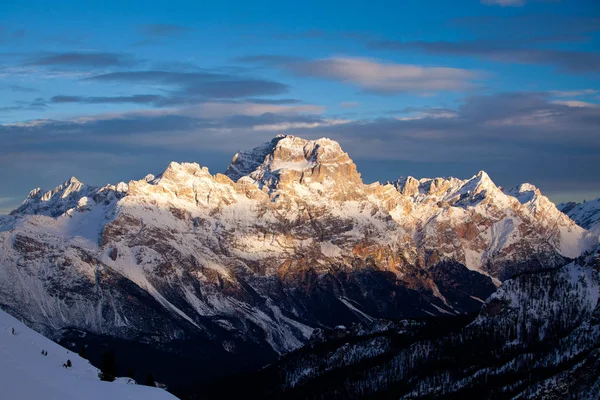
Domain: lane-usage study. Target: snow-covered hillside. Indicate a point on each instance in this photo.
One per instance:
(586, 214)
(27, 374)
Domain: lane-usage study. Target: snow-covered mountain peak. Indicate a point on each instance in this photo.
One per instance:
(72, 185)
(452, 190)
(483, 179)
(288, 160)
(180, 173)
(294, 153)
(478, 184)
(287, 152)
(56, 201)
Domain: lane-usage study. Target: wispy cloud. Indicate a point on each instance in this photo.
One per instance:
(38, 104)
(23, 89)
(573, 93)
(81, 59)
(374, 76)
(497, 122)
(219, 110)
(577, 103)
(197, 86)
(137, 99)
(516, 38)
(566, 60)
(516, 130)
(528, 28)
(286, 126)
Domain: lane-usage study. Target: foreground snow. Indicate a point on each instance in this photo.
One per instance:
(27, 374)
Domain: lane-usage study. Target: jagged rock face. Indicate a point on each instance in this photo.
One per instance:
(317, 166)
(490, 230)
(289, 239)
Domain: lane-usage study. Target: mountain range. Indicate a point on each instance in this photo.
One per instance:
(221, 274)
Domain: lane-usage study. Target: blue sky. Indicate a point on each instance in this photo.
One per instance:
(110, 91)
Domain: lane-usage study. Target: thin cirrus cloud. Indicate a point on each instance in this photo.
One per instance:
(187, 85)
(23, 89)
(220, 110)
(577, 103)
(566, 60)
(136, 99)
(529, 28)
(573, 93)
(373, 76)
(179, 88)
(502, 123)
(80, 59)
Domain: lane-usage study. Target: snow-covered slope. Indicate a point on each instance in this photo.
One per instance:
(27, 374)
(587, 214)
(250, 262)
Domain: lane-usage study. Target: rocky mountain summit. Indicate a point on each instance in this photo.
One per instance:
(246, 265)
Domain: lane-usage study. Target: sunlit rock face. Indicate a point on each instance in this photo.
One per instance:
(289, 239)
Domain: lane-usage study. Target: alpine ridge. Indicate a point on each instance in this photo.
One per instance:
(245, 266)
(586, 214)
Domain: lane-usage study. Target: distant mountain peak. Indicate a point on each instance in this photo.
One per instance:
(586, 214)
(56, 201)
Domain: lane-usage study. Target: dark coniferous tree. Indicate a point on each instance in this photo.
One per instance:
(82, 352)
(150, 380)
(108, 367)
